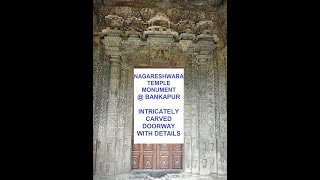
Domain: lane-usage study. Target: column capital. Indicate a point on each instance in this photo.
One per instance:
(115, 58)
(203, 58)
(202, 61)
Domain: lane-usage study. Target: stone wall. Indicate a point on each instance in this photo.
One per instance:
(192, 34)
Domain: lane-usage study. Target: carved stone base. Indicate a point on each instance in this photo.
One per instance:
(141, 175)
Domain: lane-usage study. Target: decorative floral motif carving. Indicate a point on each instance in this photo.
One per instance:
(193, 24)
(164, 163)
(159, 52)
(164, 147)
(147, 163)
(135, 147)
(148, 147)
(135, 162)
(177, 162)
(178, 147)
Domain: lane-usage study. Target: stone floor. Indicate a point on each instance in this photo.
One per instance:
(167, 175)
(160, 175)
(154, 175)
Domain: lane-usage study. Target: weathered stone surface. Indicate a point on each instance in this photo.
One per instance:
(183, 14)
(160, 33)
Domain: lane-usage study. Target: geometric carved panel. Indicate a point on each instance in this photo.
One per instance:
(135, 147)
(147, 162)
(148, 147)
(177, 162)
(164, 147)
(177, 147)
(135, 162)
(164, 162)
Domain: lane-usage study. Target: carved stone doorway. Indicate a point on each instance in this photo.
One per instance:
(204, 150)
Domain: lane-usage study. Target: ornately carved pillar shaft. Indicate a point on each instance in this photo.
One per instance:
(222, 155)
(195, 124)
(187, 47)
(97, 89)
(216, 97)
(203, 121)
(187, 119)
(97, 66)
(211, 117)
(128, 118)
(110, 156)
(101, 148)
(120, 159)
(217, 109)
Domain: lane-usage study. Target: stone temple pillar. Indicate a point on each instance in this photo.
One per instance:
(220, 121)
(222, 140)
(211, 117)
(186, 45)
(187, 120)
(121, 140)
(194, 122)
(207, 111)
(204, 135)
(111, 140)
(102, 123)
(98, 57)
(129, 119)
(108, 128)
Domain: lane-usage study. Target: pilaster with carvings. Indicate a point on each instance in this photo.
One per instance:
(120, 137)
(111, 143)
(112, 42)
(187, 118)
(203, 59)
(195, 118)
(211, 116)
(129, 118)
(222, 158)
(99, 79)
(102, 130)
